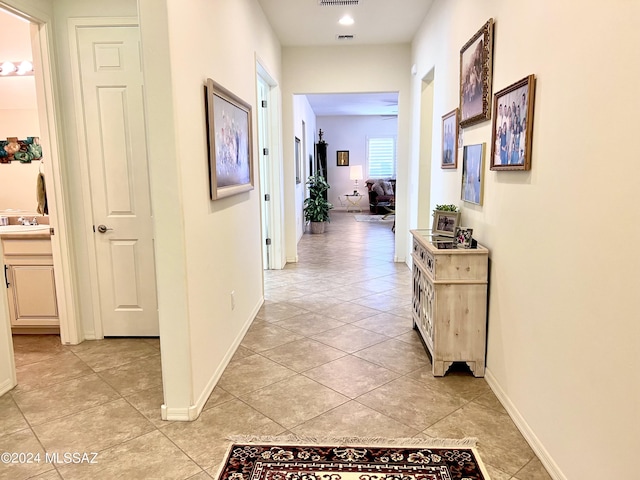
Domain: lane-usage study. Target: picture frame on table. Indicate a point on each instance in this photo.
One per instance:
(342, 158)
(464, 236)
(445, 223)
(449, 156)
(476, 70)
(228, 120)
(512, 131)
(473, 173)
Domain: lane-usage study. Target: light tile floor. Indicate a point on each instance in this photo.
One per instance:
(331, 353)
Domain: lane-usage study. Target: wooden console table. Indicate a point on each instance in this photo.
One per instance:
(450, 302)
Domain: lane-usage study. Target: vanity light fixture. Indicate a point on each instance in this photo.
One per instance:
(12, 69)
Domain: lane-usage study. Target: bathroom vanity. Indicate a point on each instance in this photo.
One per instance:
(29, 278)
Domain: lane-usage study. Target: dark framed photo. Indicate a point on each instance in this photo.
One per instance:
(445, 223)
(342, 158)
(476, 67)
(298, 161)
(230, 142)
(450, 140)
(513, 126)
(472, 173)
(463, 236)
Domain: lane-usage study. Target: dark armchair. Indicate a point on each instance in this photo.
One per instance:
(381, 191)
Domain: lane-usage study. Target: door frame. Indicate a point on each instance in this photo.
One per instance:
(74, 24)
(50, 137)
(275, 174)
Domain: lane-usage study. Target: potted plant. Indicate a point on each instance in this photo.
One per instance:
(316, 207)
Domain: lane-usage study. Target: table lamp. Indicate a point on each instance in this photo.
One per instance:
(355, 174)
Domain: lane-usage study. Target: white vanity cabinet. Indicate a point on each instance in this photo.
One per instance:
(450, 302)
(31, 288)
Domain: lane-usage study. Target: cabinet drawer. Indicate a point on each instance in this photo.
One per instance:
(36, 246)
(424, 258)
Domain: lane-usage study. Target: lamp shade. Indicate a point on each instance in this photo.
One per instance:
(355, 172)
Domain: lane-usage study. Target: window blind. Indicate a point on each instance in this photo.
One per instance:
(381, 157)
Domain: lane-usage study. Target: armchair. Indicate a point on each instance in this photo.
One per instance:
(381, 191)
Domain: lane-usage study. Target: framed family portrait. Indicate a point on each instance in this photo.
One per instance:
(476, 66)
(342, 158)
(230, 142)
(450, 140)
(463, 236)
(472, 173)
(445, 223)
(513, 126)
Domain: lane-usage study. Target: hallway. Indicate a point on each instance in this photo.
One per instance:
(331, 353)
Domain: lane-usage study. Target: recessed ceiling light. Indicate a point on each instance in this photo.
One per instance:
(346, 20)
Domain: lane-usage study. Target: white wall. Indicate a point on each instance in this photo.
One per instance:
(373, 68)
(206, 249)
(563, 330)
(18, 116)
(303, 118)
(350, 133)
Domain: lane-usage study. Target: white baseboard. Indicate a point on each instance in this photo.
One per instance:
(6, 386)
(527, 432)
(194, 411)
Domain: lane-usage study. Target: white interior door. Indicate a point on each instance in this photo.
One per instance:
(112, 91)
(265, 172)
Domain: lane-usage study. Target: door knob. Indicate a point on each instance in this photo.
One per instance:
(103, 228)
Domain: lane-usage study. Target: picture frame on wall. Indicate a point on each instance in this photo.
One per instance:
(512, 131)
(298, 160)
(449, 156)
(476, 69)
(445, 223)
(228, 119)
(473, 173)
(342, 158)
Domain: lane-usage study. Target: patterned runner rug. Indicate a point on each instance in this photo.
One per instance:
(293, 458)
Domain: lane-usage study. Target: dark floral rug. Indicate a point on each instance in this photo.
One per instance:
(353, 459)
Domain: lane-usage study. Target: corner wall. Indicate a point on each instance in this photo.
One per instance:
(563, 327)
(208, 248)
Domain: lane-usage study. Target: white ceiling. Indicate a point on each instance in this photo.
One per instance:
(305, 23)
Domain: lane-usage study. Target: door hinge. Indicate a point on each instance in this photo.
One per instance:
(264, 104)
(268, 241)
(265, 151)
(52, 231)
(267, 197)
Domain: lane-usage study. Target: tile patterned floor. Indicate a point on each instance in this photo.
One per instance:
(334, 332)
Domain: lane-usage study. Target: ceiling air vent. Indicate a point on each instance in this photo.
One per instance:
(337, 3)
(345, 37)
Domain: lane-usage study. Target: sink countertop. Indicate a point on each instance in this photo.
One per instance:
(25, 231)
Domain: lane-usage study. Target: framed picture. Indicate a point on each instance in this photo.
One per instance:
(476, 66)
(342, 158)
(513, 126)
(463, 236)
(298, 159)
(230, 142)
(450, 140)
(445, 223)
(472, 173)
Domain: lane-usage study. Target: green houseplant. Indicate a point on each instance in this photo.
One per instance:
(316, 207)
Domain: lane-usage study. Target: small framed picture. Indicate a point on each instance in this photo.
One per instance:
(342, 158)
(513, 126)
(473, 173)
(450, 140)
(445, 223)
(463, 236)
